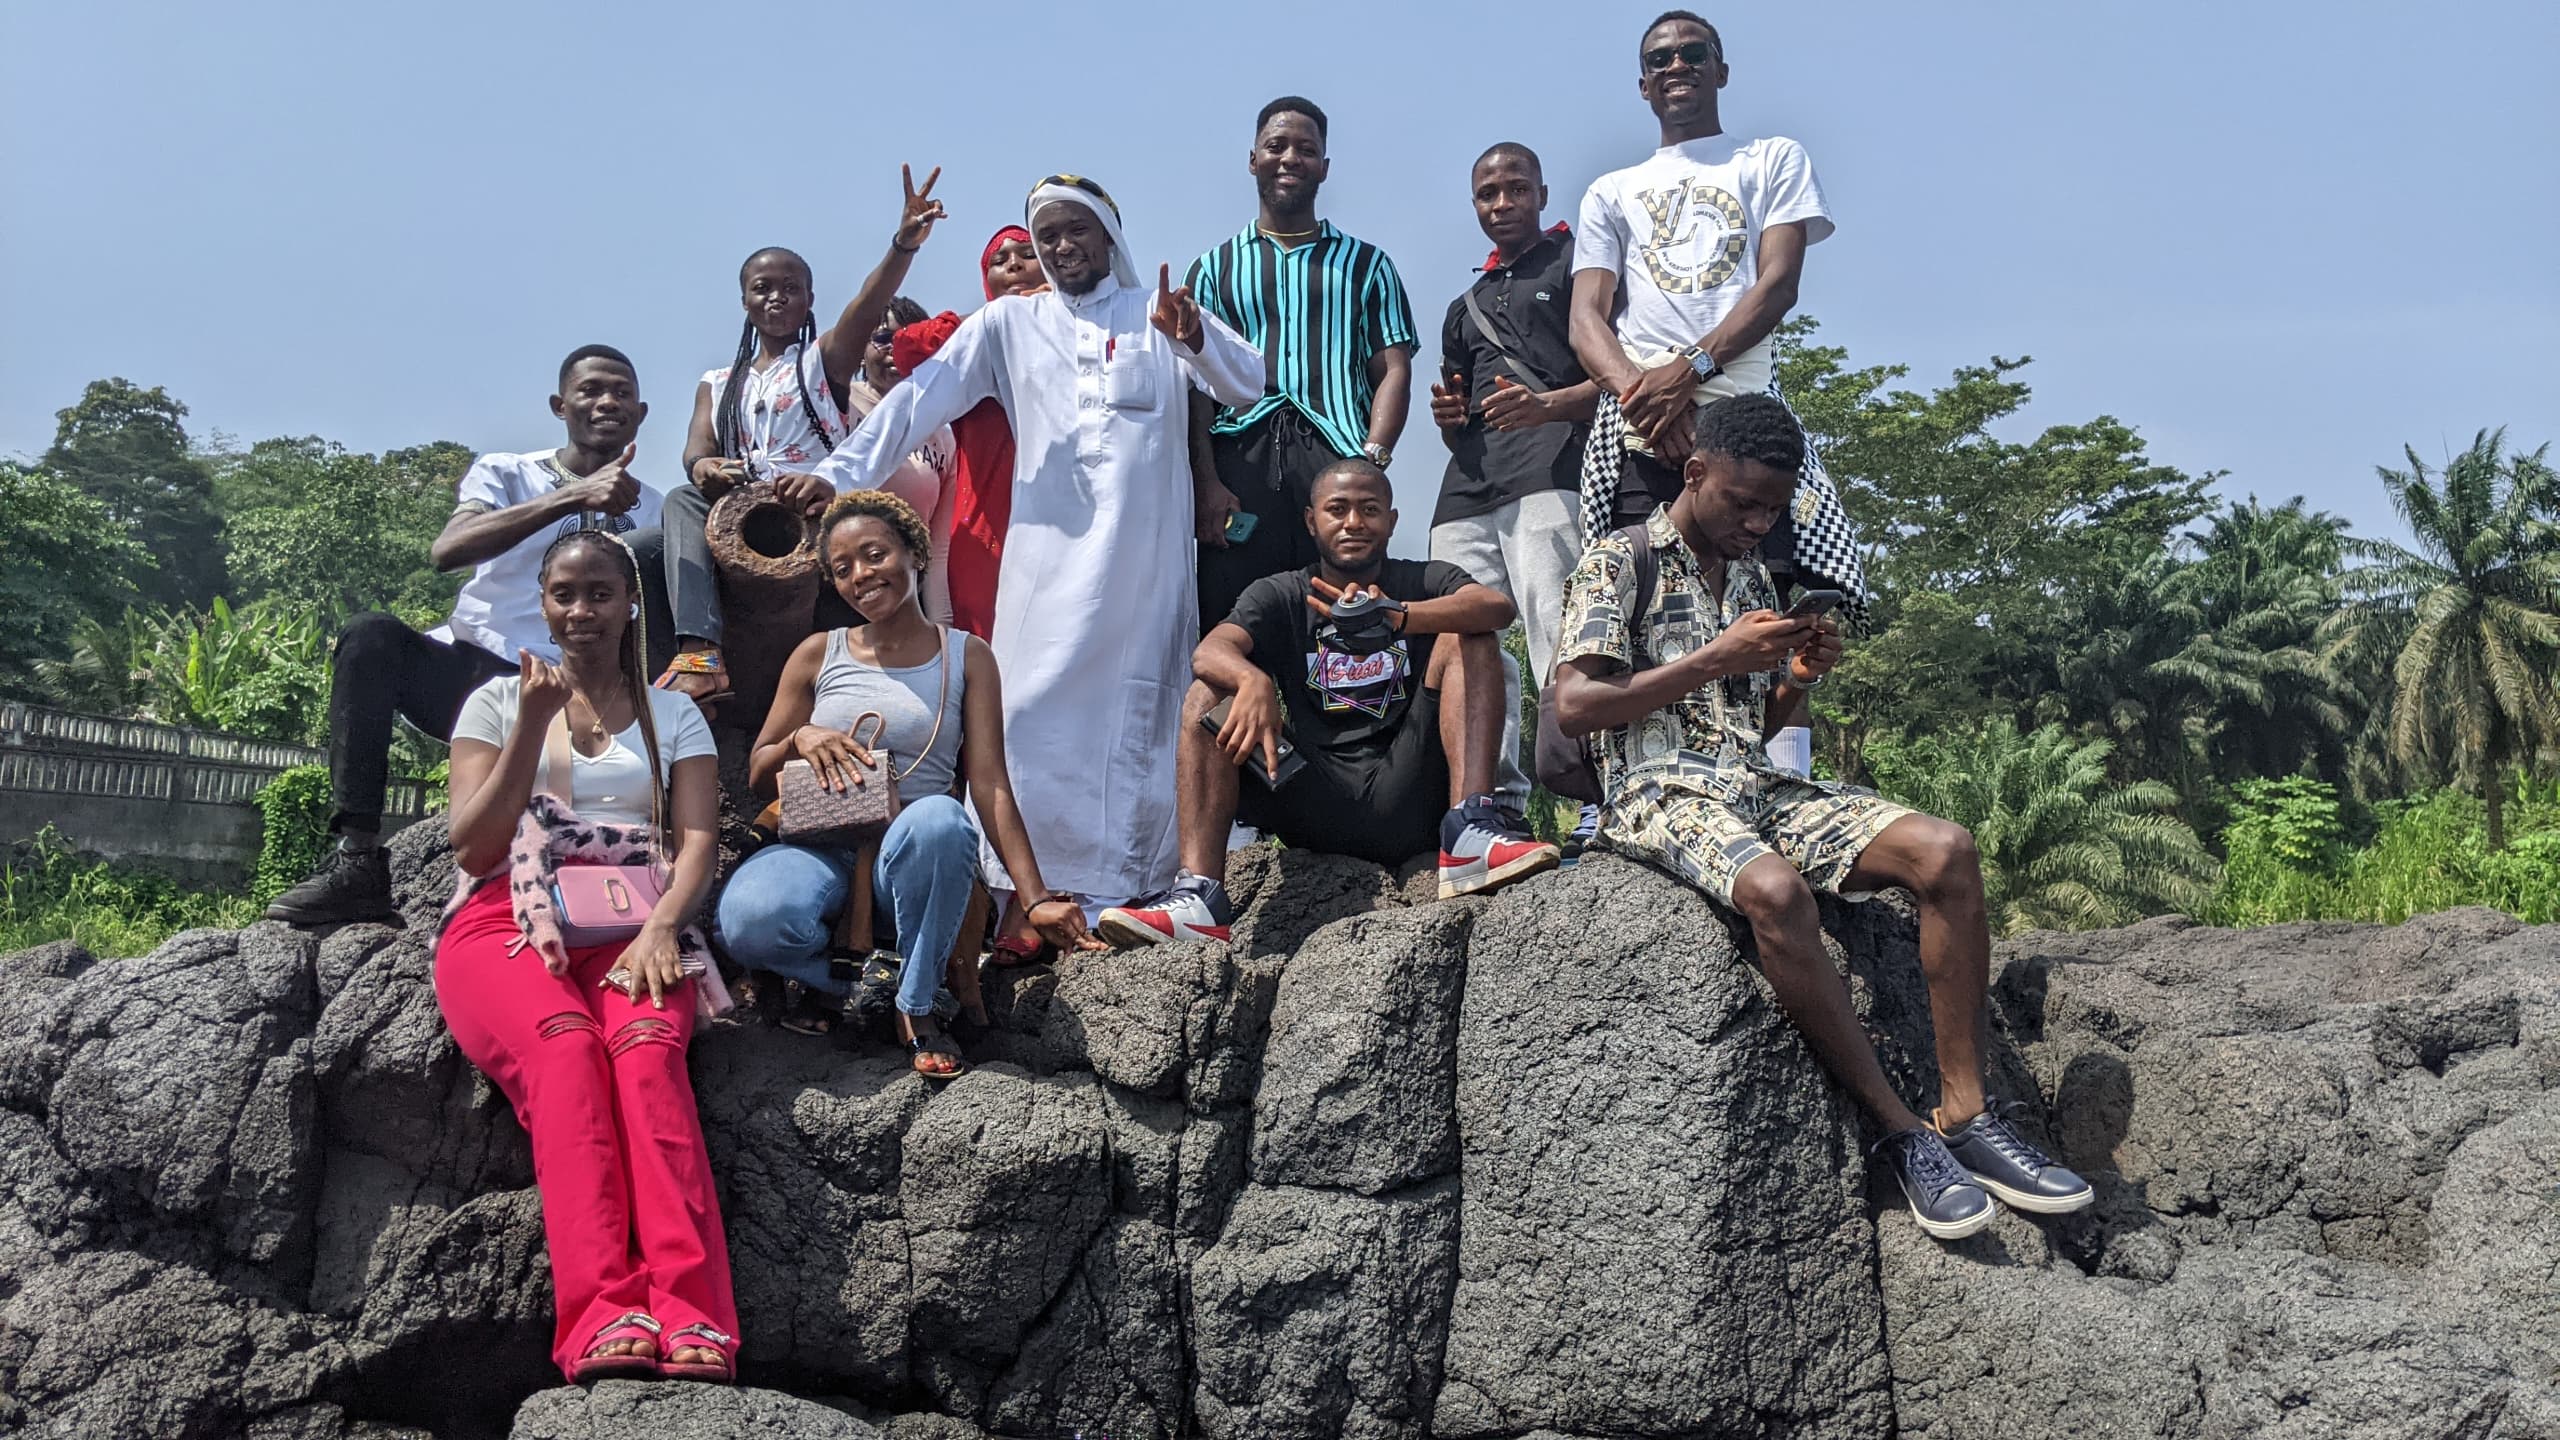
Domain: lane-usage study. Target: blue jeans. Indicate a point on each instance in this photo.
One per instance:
(777, 911)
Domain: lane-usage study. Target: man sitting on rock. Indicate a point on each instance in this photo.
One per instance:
(1305, 715)
(1680, 699)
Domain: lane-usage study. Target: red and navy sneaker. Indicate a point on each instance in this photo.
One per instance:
(1482, 848)
(1195, 908)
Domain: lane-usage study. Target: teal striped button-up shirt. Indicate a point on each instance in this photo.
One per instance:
(1317, 313)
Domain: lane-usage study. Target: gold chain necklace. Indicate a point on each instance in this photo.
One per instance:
(1270, 234)
(595, 721)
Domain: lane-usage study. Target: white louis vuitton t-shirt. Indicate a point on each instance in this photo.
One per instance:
(1681, 231)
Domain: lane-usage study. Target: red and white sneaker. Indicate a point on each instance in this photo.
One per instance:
(1195, 908)
(1482, 848)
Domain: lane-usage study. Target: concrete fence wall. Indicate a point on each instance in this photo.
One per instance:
(179, 801)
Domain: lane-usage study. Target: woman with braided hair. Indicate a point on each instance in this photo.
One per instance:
(583, 762)
(772, 413)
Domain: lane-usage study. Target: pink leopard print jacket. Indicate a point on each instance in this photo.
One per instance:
(549, 835)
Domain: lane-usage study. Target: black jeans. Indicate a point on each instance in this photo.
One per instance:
(1272, 469)
(379, 669)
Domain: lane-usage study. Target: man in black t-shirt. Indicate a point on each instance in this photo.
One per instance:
(1392, 745)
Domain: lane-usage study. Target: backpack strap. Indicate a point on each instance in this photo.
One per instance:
(1520, 372)
(1648, 571)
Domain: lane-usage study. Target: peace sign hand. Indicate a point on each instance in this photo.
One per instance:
(915, 219)
(1176, 313)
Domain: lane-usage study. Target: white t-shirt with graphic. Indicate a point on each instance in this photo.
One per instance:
(500, 607)
(611, 788)
(1681, 231)
(776, 435)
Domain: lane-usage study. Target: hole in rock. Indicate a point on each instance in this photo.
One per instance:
(773, 530)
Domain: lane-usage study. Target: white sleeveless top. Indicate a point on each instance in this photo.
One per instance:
(775, 433)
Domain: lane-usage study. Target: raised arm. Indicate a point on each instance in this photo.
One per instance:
(842, 344)
(942, 390)
(491, 784)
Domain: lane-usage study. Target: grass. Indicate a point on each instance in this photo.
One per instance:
(48, 891)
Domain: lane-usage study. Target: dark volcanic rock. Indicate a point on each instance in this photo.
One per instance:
(1649, 1152)
(631, 1410)
(1547, 1166)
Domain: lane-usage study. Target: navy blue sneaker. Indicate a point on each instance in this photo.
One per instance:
(1944, 1199)
(2002, 1162)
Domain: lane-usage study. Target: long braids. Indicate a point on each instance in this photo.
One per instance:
(632, 661)
(730, 425)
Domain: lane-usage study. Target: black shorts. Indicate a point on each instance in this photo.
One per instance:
(1644, 482)
(1383, 807)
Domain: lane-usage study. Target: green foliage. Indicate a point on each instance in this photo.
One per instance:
(295, 805)
(310, 522)
(260, 670)
(63, 561)
(2282, 853)
(126, 448)
(2063, 847)
(2428, 854)
(49, 892)
(2466, 626)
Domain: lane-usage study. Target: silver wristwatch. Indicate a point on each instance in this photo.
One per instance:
(1702, 364)
(1377, 454)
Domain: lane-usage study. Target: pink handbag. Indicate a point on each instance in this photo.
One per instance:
(599, 904)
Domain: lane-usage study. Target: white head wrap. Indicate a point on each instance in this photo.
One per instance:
(1077, 190)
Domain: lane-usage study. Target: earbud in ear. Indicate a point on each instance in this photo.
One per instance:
(635, 612)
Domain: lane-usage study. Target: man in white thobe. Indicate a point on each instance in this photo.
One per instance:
(1094, 603)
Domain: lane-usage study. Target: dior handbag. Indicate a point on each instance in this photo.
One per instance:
(814, 814)
(599, 904)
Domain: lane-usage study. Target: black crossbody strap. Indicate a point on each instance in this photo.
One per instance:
(1520, 372)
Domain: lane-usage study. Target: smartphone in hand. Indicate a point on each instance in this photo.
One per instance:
(1240, 526)
(1291, 762)
(1814, 604)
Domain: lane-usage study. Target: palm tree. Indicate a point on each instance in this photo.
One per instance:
(2467, 625)
(2266, 577)
(2063, 846)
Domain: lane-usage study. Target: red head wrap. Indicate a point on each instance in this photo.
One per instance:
(987, 257)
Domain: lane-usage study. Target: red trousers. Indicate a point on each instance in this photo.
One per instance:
(599, 1081)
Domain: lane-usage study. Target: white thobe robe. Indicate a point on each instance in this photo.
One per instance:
(1096, 612)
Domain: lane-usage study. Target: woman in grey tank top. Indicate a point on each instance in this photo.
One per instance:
(941, 735)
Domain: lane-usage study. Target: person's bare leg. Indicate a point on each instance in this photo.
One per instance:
(1206, 785)
(1936, 860)
(1784, 920)
(1467, 671)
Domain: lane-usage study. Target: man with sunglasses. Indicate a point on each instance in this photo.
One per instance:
(1684, 264)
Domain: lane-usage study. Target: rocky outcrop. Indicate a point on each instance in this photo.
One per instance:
(1545, 1164)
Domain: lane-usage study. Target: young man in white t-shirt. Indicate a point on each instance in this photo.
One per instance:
(1683, 266)
(507, 510)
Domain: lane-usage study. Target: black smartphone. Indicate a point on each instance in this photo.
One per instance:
(1814, 604)
(1291, 762)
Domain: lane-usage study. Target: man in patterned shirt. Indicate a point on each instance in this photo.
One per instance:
(1681, 698)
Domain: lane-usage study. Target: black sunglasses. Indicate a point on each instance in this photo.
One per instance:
(884, 335)
(1695, 53)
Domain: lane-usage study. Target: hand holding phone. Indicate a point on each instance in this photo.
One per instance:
(1240, 526)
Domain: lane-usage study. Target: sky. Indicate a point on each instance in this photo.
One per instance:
(2282, 241)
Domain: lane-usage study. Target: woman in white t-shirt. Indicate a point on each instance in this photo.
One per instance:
(595, 1068)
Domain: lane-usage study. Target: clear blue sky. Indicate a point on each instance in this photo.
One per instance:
(2282, 240)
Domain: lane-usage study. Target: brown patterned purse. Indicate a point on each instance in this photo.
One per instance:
(816, 815)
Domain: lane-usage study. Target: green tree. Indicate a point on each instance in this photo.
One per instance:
(2266, 578)
(2466, 626)
(1974, 543)
(62, 561)
(309, 521)
(2063, 845)
(126, 447)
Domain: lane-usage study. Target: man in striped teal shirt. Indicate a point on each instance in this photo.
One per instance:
(1328, 313)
